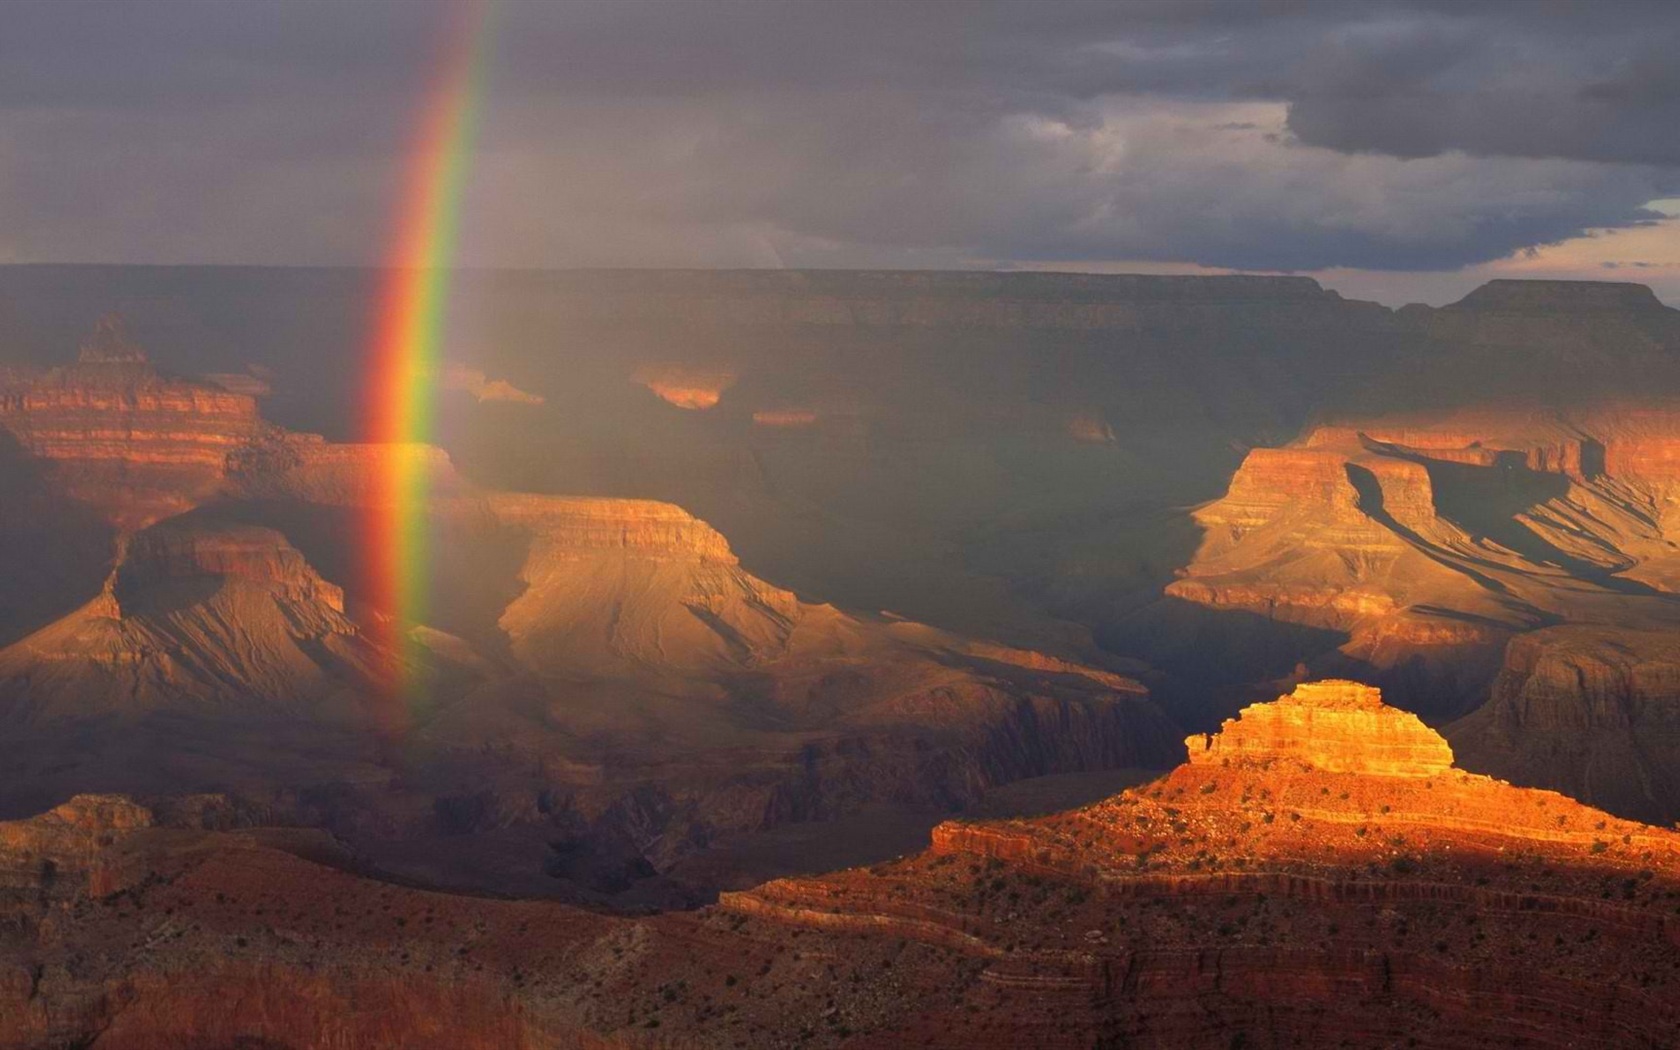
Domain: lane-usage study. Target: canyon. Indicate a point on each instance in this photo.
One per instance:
(1294, 882)
(605, 689)
(753, 576)
(1499, 566)
(1006, 458)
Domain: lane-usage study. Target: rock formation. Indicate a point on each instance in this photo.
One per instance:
(1339, 727)
(1429, 540)
(134, 444)
(1404, 536)
(1258, 898)
(1587, 710)
(601, 672)
(198, 618)
(685, 387)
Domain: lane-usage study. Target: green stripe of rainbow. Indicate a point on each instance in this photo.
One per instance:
(407, 347)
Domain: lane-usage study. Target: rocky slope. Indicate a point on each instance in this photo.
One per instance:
(1250, 898)
(1589, 710)
(1424, 542)
(218, 618)
(600, 673)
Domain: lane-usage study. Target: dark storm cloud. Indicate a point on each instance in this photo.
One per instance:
(1592, 82)
(1255, 135)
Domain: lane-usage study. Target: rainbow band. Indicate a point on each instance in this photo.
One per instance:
(408, 342)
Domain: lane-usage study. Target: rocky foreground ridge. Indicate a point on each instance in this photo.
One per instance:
(1251, 897)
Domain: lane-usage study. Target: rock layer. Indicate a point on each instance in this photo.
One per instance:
(1426, 541)
(133, 443)
(1336, 726)
(1587, 710)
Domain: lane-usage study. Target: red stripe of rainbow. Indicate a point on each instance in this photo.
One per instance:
(407, 344)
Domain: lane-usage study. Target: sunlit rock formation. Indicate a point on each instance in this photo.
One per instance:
(1340, 727)
(204, 619)
(1298, 896)
(1429, 540)
(122, 438)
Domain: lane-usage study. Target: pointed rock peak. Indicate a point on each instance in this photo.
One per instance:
(1334, 725)
(110, 344)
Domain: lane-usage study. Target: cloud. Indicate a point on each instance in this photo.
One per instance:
(851, 181)
(1266, 135)
(1584, 82)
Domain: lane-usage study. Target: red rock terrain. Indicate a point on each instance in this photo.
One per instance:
(1587, 710)
(1521, 557)
(1004, 455)
(607, 688)
(120, 437)
(1251, 897)
(1430, 540)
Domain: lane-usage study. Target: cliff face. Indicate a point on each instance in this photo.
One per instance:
(175, 551)
(1276, 897)
(122, 438)
(64, 854)
(1428, 540)
(1586, 710)
(628, 582)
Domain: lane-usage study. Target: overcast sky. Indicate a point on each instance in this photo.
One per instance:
(1396, 150)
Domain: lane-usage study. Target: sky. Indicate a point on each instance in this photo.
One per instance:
(1399, 151)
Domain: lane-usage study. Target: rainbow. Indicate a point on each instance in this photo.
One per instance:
(407, 343)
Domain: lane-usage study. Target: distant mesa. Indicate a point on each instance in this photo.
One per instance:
(473, 381)
(1336, 726)
(1428, 539)
(696, 389)
(1553, 296)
